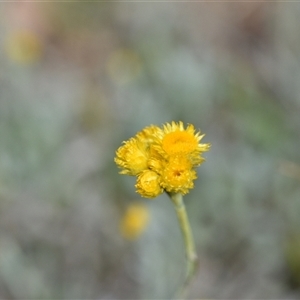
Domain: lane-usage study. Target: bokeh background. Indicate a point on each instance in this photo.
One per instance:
(77, 79)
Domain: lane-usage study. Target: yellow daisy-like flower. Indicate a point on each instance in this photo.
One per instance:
(148, 184)
(134, 154)
(134, 221)
(176, 140)
(178, 175)
(132, 157)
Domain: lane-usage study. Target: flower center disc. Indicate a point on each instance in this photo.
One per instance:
(179, 142)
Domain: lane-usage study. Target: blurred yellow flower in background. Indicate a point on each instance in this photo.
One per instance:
(162, 158)
(134, 221)
(23, 47)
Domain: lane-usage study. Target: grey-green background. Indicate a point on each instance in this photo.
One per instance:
(231, 69)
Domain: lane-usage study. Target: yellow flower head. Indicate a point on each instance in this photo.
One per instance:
(163, 158)
(176, 140)
(178, 175)
(132, 157)
(148, 184)
(134, 221)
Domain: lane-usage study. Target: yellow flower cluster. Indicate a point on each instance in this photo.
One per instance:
(163, 159)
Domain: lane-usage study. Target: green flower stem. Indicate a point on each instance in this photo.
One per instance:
(185, 227)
